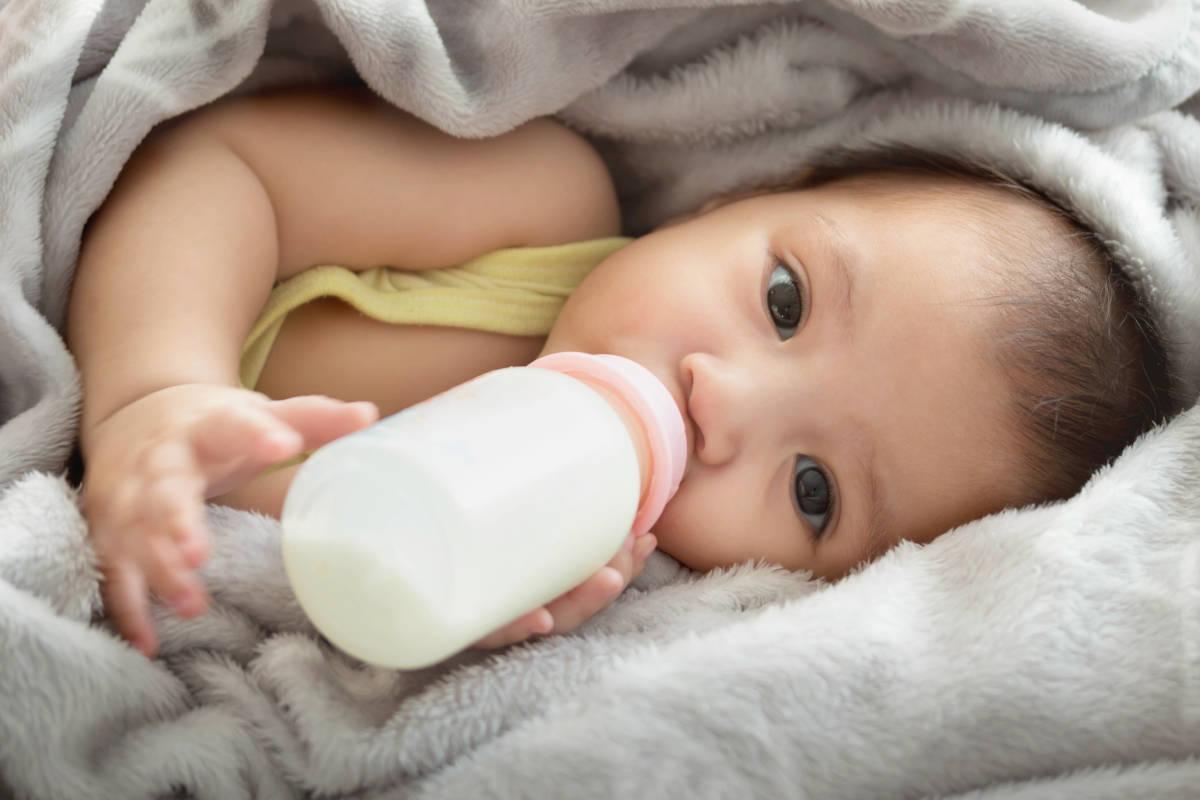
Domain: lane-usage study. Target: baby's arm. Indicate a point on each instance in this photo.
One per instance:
(176, 266)
(212, 211)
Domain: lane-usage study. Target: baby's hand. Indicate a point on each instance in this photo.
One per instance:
(568, 612)
(150, 467)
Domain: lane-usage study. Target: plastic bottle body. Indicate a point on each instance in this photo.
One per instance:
(411, 539)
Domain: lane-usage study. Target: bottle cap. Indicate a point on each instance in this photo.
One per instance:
(654, 408)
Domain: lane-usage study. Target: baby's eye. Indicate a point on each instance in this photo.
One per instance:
(785, 302)
(812, 493)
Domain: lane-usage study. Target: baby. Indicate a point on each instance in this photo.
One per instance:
(866, 356)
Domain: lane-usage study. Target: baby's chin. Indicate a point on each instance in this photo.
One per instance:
(674, 541)
(667, 548)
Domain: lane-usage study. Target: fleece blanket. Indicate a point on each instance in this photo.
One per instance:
(1043, 652)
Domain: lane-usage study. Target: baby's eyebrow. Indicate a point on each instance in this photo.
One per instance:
(842, 257)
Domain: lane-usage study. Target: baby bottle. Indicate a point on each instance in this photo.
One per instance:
(411, 539)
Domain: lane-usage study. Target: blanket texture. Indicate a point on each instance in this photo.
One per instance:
(1046, 652)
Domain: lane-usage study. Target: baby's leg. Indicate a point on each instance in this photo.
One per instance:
(263, 494)
(173, 271)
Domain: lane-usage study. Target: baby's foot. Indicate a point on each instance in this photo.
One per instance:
(151, 465)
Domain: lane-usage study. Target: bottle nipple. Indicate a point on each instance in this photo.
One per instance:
(648, 401)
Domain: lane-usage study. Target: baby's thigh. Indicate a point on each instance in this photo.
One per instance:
(263, 494)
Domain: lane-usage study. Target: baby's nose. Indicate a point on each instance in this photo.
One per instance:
(719, 405)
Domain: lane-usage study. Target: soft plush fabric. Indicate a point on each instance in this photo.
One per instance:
(1044, 652)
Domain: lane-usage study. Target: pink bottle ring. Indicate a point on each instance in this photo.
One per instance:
(656, 412)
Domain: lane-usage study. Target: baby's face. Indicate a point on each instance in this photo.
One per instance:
(833, 370)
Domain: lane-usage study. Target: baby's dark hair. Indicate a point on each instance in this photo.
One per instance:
(1084, 357)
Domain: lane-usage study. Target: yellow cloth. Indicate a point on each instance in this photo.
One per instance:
(517, 291)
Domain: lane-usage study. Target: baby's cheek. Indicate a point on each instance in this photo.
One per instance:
(712, 523)
(691, 533)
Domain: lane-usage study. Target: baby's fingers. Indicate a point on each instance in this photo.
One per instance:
(173, 501)
(569, 611)
(584, 601)
(124, 590)
(642, 549)
(520, 629)
(243, 434)
(169, 577)
(593, 595)
(319, 420)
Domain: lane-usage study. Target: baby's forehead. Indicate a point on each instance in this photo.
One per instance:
(992, 199)
(1004, 240)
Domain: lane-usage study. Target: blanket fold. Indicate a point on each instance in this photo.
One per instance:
(1044, 652)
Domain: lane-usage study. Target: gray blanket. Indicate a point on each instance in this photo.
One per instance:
(1048, 652)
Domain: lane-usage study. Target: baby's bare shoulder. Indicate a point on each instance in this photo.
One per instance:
(277, 105)
(358, 181)
(357, 114)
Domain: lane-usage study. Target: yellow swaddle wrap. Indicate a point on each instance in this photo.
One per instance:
(517, 291)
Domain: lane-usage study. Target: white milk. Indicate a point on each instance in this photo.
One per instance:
(410, 540)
